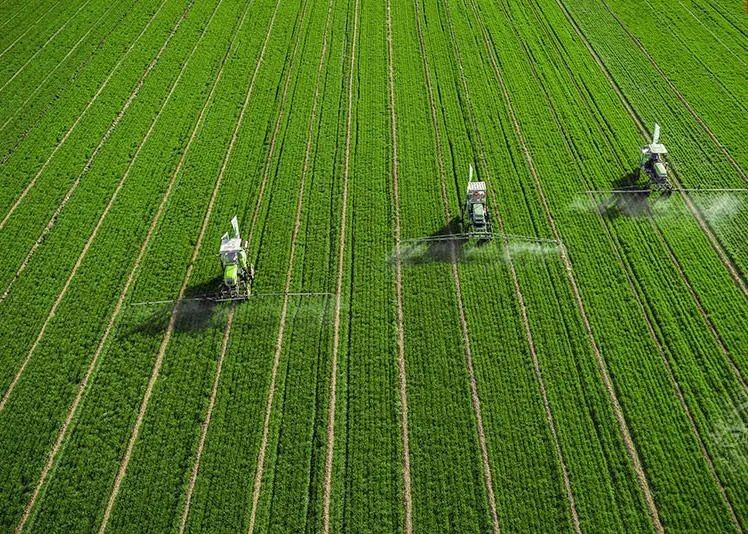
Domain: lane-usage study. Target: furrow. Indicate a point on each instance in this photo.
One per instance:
(206, 423)
(41, 84)
(332, 403)
(55, 34)
(70, 130)
(72, 411)
(172, 320)
(671, 375)
(401, 362)
(726, 261)
(87, 167)
(260, 467)
(523, 309)
(33, 122)
(78, 263)
(602, 366)
(475, 399)
(28, 29)
(646, 313)
(677, 93)
(716, 245)
(700, 307)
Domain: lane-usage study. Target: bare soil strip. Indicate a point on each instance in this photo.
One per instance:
(475, 399)
(62, 435)
(72, 411)
(260, 467)
(38, 51)
(636, 292)
(72, 50)
(602, 366)
(332, 403)
(30, 123)
(671, 375)
(675, 91)
(87, 167)
(646, 314)
(78, 263)
(716, 245)
(172, 320)
(401, 366)
(11, 45)
(206, 423)
(70, 130)
(672, 256)
(531, 343)
(699, 306)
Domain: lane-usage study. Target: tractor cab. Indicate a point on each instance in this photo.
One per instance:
(475, 206)
(653, 160)
(237, 272)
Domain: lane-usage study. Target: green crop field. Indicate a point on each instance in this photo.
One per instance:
(578, 364)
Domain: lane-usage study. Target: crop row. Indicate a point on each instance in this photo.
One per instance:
(51, 78)
(56, 256)
(277, 466)
(706, 67)
(633, 238)
(696, 157)
(109, 261)
(724, 212)
(72, 129)
(556, 333)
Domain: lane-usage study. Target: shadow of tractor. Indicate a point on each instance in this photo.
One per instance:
(630, 198)
(191, 314)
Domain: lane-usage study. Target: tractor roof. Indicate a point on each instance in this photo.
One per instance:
(657, 148)
(230, 245)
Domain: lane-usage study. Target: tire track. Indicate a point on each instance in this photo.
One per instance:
(660, 344)
(29, 29)
(34, 121)
(73, 410)
(55, 34)
(669, 83)
(58, 64)
(733, 269)
(172, 320)
(518, 291)
(676, 263)
(10, 19)
(714, 35)
(646, 313)
(78, 263)
(677, 93)
(332, 403)
(684, 45)
(206, 423)
(700, 307)
(475, 399)
(602, 365)
(229, 324)
(735, 273)
(401, 364)
(260, 466)
(67, 134)
(89, 164)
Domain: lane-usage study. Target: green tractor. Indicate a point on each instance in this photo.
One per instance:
(238, 273)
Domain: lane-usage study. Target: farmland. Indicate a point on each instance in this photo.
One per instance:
(583, 370)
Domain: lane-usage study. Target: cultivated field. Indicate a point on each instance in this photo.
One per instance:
(584, 370)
